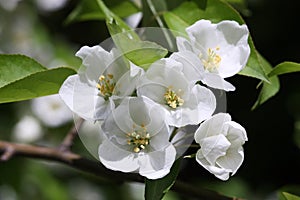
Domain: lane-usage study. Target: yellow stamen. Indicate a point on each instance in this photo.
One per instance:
(213, 60)
(106, 86)
(139, 139)
(172, 99)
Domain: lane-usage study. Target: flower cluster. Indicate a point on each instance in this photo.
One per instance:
(142, 111)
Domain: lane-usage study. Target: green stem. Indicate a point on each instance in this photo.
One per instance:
(160, 23)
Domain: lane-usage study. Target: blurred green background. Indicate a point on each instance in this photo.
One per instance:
(272, 154)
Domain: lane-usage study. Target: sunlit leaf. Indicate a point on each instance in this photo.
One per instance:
(284, 68)
(289, 196)
(156, 189)
(176, 23)
(16, 67)
(35, 85)
(141, 53)
(216, 11)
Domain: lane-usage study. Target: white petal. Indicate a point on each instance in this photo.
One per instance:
(232, 160)
(221, 173)
(183, 138)
(203, 35)
(214, 147)
(236, 134)
(233, 32)
(205, 101)
(117, 159)
(95, 59)
(152, 90)
(66, 91)
(212, 126)
(197, 108)
(161, 139)
(231, 62)
(127, 83)
(183, 44)
(157, 123)
(80, 97)
(121, 117)
(235, 45)
(216, 81)
(192, 66)
(157, 164)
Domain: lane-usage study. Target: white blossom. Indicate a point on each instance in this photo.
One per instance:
(220, 140)
(213, 52)
(50, 5)
(51, 110)
(9, 5)
(103, 78)
(137, 139)
(27, 130)
(185, 103)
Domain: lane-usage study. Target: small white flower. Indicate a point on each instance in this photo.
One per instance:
(51, 110)
(9, 5)
(214, 52)
(50, 5)
(184, 102)
(137, 139)
(220, 140)
(27, 130)
(103, 78)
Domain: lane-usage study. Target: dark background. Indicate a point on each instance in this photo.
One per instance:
(272, 157)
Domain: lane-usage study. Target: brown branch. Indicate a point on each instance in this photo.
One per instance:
(69, 139)
(7, 150)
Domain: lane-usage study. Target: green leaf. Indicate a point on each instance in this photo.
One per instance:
(35, 85)
(16, 67)
(216, 10)
(141, 53)
(156, 189)
(176, 24)
(289, 196)
(284, 68)
(270, 88)
(88, 10)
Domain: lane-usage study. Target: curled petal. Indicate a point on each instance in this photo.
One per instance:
(219, 172)
(212, 126)
(214, 147)
(95, 59)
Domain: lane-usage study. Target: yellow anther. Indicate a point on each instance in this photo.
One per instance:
(106, 86)
(139, 139)
(172, 99)
(212, 62)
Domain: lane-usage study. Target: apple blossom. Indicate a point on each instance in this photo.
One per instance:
(137, 139)
(213, 52)
(220, 140)
(104, 78)
(184, 102)
(51, 110)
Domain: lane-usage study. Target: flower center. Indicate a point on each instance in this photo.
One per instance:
(106, 86)
(213, 60)
(172, 99)
(139, 140)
